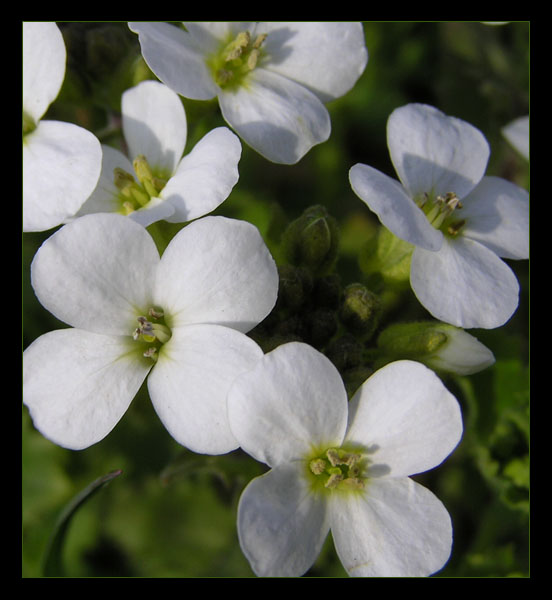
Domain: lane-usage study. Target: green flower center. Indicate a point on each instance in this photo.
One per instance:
(440, 212)
(153, 332)
(137, 194)
(342, 469)
(28, 124)
(235, 61)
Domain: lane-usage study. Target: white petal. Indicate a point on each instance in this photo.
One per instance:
(325, 57)
(78, 385)
(97, 273)
(497, 215)
(396, 528)
(464, 284)
(173, 55)
(205, 177)
(407, 419)
(154, 124)
(217, 270)
(61, 166)
(517, 133)
(396, 210)
(189, 384)
(105, 197)
(293, 400)
(277, 117)
(281, 524)
(43, 66)
(155, 210)
(435, 153)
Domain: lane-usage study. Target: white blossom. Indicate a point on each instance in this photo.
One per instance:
(155, 182)
(459, 221)
(180, 318)
(61, 161)
(271, 78)
(342, 467)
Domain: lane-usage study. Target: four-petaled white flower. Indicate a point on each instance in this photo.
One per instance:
(271, 79)
(181, 318)
(459, 221)
(342, 466)
(157, 182)
(61, 161)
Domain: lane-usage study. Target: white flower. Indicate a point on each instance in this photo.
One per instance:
(517, 133)
(271, 79)
(179, 318)
(342, 466)
(61, 161)
(157, 183)
(459, 221)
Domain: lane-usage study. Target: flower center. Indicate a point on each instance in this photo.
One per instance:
(236, 60)
(338, 469)
(154, 333)
(136, 194)
(440, 212)
(28, 124)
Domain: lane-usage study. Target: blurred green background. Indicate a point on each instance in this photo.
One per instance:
(172, 513)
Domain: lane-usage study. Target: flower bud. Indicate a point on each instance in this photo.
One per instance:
(327, 291)
(345, 352)
(321, 325)
(388, 256)
(295, 286)
(440, 346)
(360, 310)
(312, 240)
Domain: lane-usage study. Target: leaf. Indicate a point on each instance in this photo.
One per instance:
(53, 566)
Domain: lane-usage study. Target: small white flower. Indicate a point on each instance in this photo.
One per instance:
(181, 318)
(271, 79)
(61, 161)
(459, 221)
(157, 182)
(517, 133)
(342, 466)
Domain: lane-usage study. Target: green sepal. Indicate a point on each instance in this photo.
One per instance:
(411, 340)
(389, 256)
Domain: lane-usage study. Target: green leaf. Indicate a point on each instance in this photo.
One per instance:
(53, 566)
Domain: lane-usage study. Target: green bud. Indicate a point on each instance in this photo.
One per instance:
(321, 325)
(389, 256)
(312, 240)
(360, 310)
(327, 291)
(295, 286)
(345, 352)
(440, 346)
(411, 340)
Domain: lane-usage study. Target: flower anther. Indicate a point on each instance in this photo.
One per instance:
(236, 59)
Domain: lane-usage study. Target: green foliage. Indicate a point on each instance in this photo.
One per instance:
(172, 513)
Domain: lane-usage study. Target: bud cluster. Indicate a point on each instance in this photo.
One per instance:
(313, 305)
